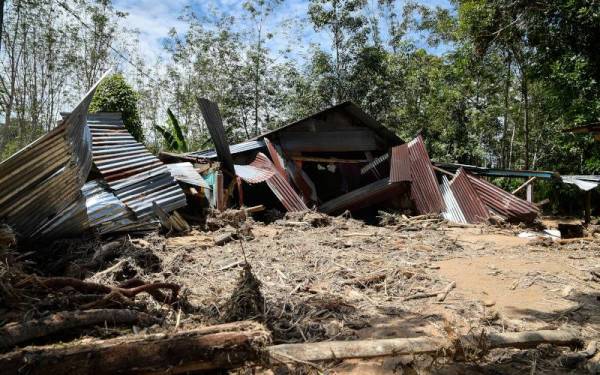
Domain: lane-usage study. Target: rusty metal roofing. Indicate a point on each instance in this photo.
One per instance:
(400, 164)
(43, 180)
(278, 161)
(502, 202)
(425, 191)
(185, 172)
(233, 149)
(453, 211)
(214, 123)
(136, 176)
(262, 169)
(375, 192)
(468, 199)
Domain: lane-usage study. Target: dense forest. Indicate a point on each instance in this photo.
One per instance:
(487, 82)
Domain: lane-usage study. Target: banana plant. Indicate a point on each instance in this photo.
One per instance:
(173, 134)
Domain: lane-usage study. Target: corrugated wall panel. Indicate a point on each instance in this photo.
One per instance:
(468, 199)
(214, 123)
(425, 190)
(400, 164)
(453, 211)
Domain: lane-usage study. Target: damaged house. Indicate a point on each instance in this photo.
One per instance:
(340, 159)
(336, 160)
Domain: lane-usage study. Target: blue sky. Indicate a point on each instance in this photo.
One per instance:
(154, 18)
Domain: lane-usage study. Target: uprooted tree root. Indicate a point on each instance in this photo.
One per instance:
(246, 301)
(106, 293)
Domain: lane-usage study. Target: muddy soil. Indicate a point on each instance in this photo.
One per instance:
(328, 278)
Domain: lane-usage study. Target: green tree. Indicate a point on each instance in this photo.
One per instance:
(115, 95)
(347, 26)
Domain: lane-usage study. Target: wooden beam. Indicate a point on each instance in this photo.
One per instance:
(526, 183)
(328, 160)
(442, 170)
(588, 207)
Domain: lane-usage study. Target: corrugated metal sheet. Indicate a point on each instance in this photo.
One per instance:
(42, 181)
(260, 170)
(425, 191)
(233, 149)
(584, 183)
(252, 174)
(400, 164)
(106, 213)
(136, 176)
(185, 172)
(214, 123)
(471, 205)
(453, 211)
(504, 203)
(368, 195)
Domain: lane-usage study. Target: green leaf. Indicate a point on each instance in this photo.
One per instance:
(169, 139)
(178, 133)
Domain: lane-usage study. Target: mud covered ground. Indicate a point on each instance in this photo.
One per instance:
(325, 278)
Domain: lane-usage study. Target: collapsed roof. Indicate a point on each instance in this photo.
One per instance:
(341, 159)
(45, 187)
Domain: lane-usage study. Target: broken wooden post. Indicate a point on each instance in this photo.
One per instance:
(529, 192)
(219, 193)
(202, 349)
(588, 207)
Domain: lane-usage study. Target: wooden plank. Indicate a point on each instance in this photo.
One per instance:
(332, 141)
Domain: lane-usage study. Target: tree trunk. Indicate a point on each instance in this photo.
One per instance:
(18, 333)
(330, 350)
(1, 21)
(525, 95)
(209, 348)
(257, 81)
(505, 153)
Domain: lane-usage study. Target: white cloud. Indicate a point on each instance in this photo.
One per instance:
(154, 18)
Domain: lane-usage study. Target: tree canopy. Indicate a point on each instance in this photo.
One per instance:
(115, 95)
(486, 82)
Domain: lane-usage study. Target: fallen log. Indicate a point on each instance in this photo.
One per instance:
(13, 334)
(330, 350)
(209, 348)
